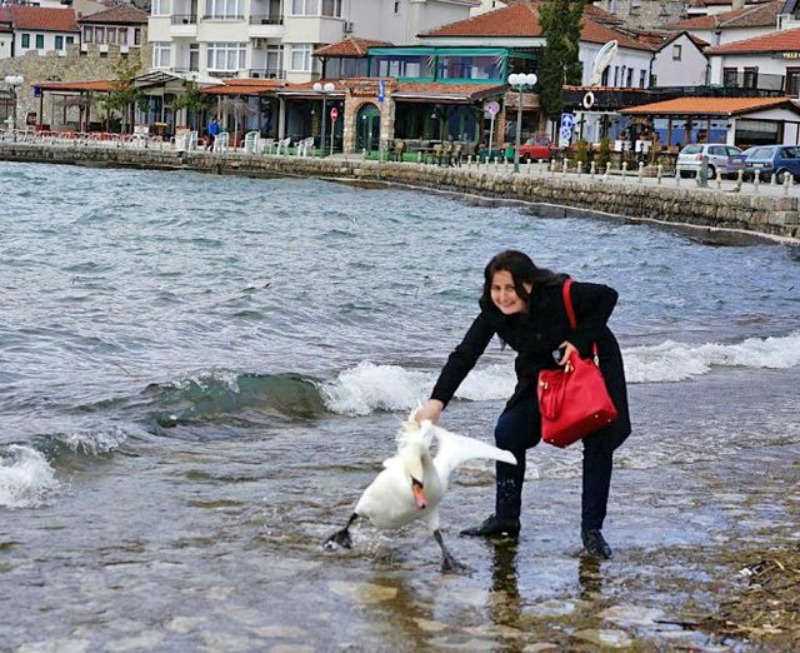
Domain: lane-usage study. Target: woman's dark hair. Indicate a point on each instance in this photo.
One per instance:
(522, 270)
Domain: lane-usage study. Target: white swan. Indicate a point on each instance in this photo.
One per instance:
(413, 482)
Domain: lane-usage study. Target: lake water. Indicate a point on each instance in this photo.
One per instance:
(199, 375)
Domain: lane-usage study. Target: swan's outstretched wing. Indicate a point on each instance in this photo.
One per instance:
(456, 449)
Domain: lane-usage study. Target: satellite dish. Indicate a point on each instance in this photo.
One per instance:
(602, 61)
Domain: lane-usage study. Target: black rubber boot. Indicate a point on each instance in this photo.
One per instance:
(595, 544)
(493, 526)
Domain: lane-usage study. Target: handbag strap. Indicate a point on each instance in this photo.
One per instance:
(573, 321)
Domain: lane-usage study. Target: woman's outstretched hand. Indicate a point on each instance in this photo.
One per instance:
(431, 411)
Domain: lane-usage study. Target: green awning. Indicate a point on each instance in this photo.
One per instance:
(443, 52)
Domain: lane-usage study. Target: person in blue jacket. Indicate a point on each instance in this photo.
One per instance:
(212, 131)
(523, 305)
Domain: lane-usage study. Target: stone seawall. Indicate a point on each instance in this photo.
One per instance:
(773, 215)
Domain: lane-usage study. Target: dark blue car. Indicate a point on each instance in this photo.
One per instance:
(766, 160)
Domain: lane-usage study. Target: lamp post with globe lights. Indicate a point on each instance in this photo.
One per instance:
(14, 82)
(520, 82)
(326, 89)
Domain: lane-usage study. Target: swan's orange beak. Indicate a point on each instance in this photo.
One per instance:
(419, 494)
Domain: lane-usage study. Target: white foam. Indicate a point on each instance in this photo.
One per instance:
(675, 361)
(94, 442)
(368, 387)
(25, 478)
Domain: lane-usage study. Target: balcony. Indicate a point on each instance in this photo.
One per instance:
(183, 26)
(265, 26)
(266, 73)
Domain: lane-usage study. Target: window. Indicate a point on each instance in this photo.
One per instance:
(677, 52)
(88, 34)
(111, 35)
(730, 77)
(225, 9)
(40, 41)
(750, 78)
(629, 78)
(306, 8)
(99, 35)
(70, 40)
(792, 82)
(123, 36)
(301, 58)
(476, 67)
(397, 7)
(160, 8)
(410, 67)
(642, 78)
(227, 57)
(161, 54)
(274, 61)
(26, 40)
(59, 42)
(332, 8)
(137, 36)
(194, 57)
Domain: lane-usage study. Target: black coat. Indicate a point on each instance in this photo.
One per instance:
(535, 334)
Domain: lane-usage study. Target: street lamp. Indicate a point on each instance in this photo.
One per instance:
(325, 89)
(520, 82)
(14, 81)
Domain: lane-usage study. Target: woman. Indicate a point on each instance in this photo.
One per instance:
(523, 305)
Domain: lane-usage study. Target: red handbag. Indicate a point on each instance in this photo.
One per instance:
(574, 400)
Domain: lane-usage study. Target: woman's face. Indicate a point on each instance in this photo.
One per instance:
(504, 294)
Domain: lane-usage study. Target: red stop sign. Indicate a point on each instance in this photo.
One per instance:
(334, 114)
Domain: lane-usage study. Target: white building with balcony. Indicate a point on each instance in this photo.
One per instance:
(276, 38)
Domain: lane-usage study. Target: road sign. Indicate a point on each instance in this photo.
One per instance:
(564, 136)
(567, 120)
(334, 114)
(493, 108)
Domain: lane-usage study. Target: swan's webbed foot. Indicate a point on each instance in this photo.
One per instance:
(449, 564)
(341, 538)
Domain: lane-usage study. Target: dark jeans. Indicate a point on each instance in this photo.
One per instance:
(519, 429)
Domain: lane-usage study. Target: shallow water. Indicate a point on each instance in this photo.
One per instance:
(199, 375)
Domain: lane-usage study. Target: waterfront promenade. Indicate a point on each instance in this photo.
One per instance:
(724, 209)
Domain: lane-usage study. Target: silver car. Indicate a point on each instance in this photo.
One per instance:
(728, 159)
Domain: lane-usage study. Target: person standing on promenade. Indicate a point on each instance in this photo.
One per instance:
(213, 130)
(523, 305)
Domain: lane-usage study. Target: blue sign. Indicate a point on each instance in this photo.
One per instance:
(381, 89)
(567, 120)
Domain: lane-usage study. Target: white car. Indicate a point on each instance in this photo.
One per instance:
(728, 159)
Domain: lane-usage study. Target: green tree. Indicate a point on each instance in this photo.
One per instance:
(559, 65)
(123, 95)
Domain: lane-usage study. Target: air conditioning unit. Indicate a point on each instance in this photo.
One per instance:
(259, 44)
(347, 27)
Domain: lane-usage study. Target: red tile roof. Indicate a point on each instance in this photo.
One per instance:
(119, 15)
(707, 106)
(522, 20)
(350, 47)
(44, 19)
(760, 15)
(89, 85)
(785, 40)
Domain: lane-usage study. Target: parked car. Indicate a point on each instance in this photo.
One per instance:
(728, 159)
(538, 147)
(766, 160)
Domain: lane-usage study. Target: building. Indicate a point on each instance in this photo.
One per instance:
(742, 23)
(36, 29)
(680, 61)
(276, 38)
(123, 26)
